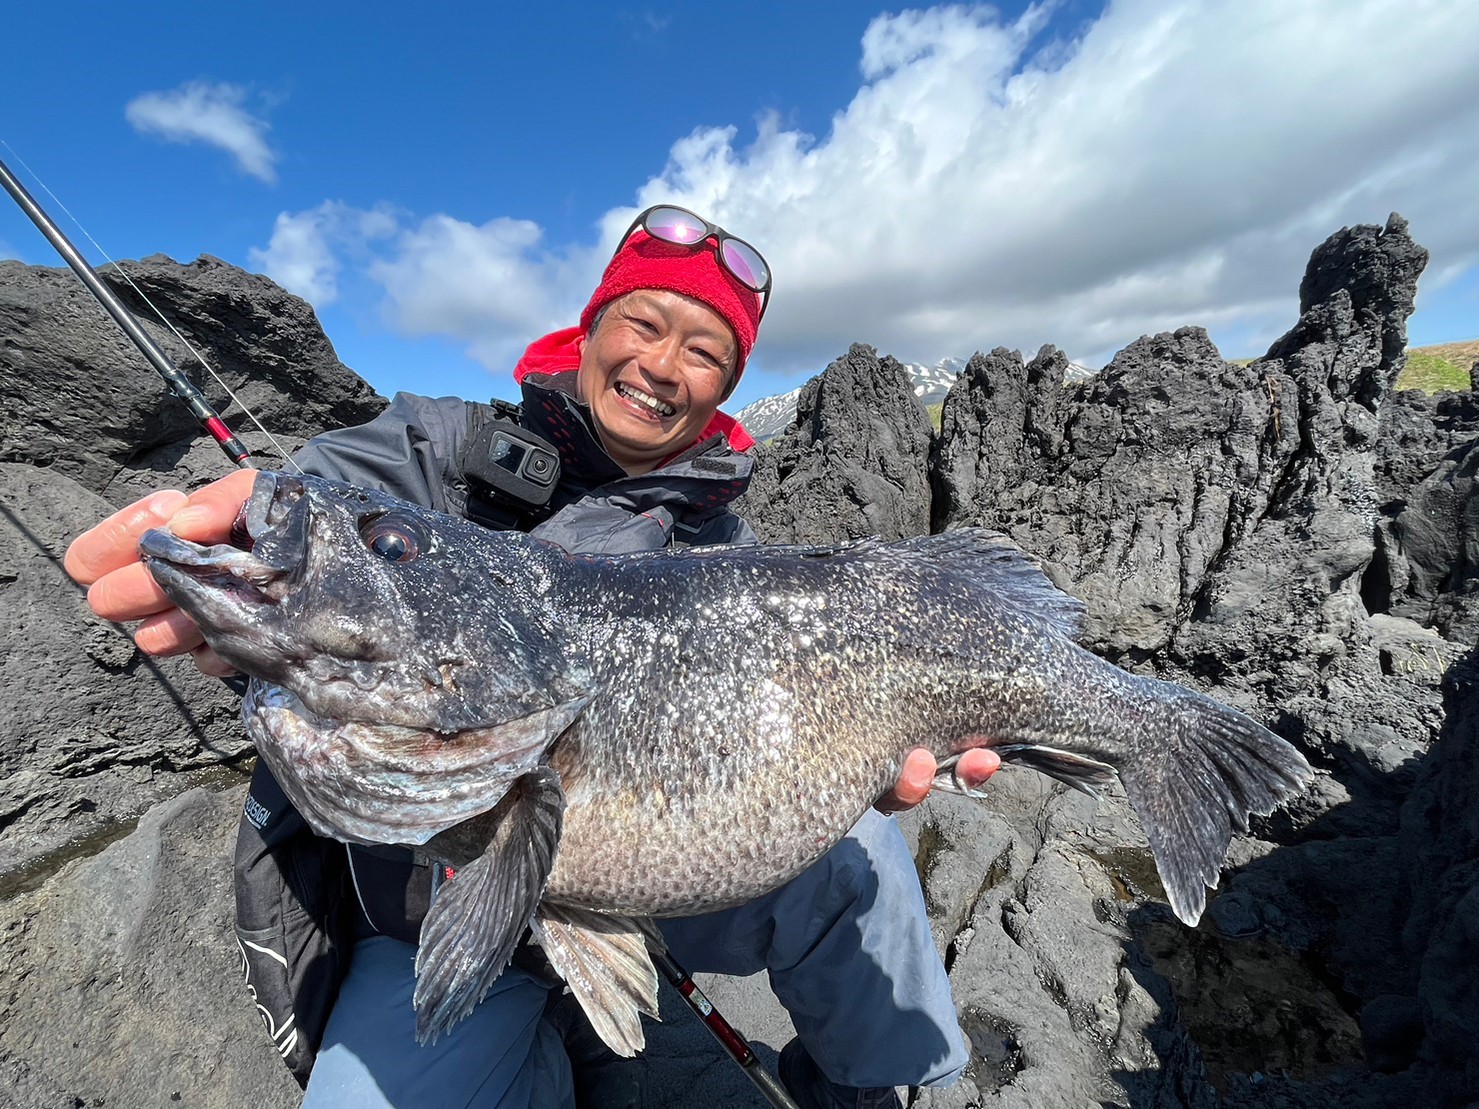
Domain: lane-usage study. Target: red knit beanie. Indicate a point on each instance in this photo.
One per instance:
(647, 263)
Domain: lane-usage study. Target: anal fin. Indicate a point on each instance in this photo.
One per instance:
(478, 917)
(604, 961)
(947, 779)
(1085, 774)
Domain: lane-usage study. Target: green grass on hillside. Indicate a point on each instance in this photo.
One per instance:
(1435, 369)
(1439, 368)
(1432, 374)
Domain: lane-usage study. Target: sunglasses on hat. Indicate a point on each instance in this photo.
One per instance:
(679, 226)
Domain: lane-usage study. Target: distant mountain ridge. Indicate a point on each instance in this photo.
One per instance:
(769, 416)
(1430, 368)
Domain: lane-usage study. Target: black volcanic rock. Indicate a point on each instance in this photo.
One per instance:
(1000, 421)
(1217, 519)
(1125, 484)
(853, 464)
(91, 731)
(1427, 560)
(1357, 292)
(76, 395)
(1440, 846)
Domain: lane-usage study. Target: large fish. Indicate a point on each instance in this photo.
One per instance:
(595, 741)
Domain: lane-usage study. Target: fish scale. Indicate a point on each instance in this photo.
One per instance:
(595, 741)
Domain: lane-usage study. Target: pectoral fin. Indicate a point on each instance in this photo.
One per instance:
(478, 917)
(604, 961)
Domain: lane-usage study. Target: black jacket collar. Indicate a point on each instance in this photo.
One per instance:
(706, 477)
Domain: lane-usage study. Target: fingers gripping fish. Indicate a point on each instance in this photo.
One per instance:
(596, 741)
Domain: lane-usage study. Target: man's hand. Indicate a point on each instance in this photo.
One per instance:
(975, 766)
(105, 558)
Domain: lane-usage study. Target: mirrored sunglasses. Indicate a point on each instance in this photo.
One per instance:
(679, 226)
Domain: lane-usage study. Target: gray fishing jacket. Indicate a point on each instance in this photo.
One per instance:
(413, 450)
(302, 900)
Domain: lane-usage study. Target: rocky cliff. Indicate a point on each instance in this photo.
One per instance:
(1297, 540)
(92, 732)
(1289, 536)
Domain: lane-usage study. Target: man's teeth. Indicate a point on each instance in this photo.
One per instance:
(662, 408)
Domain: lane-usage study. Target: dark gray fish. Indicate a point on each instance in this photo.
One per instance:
(595, 741)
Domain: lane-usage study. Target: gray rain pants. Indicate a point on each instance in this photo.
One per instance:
(847, 946)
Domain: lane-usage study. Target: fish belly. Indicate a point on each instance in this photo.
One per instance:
(673, 812)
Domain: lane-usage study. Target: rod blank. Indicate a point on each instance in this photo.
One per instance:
(179, 384)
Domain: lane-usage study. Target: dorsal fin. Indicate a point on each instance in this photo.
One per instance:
(988, 560)
(997, 563)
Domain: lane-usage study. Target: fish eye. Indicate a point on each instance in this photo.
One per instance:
(394, 537)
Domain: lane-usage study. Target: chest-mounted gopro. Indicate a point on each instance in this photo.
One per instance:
(509, 468)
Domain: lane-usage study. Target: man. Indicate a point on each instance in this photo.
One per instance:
(630, 401)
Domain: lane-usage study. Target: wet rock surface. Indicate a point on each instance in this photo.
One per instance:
(122, 986)
(1288, 536)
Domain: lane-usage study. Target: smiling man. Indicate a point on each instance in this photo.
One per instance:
(653, 370)
(627, 402)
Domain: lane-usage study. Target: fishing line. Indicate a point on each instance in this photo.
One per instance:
(738, 1048)
(252, 416)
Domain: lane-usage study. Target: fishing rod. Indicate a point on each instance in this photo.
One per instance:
(735, 1045)
(179, 384)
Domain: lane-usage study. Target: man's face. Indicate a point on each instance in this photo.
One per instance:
(653, 372)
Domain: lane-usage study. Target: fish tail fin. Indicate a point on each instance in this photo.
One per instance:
(1192, 791)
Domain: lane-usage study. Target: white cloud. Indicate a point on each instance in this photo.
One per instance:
(990, 183)
(305, 251)
(492, 287)
(212, 113)
(1175, 164)
(495, 286)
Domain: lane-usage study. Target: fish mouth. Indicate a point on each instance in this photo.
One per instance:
(226, 583)
(179, 565)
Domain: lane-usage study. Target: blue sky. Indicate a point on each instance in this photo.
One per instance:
(445, 187)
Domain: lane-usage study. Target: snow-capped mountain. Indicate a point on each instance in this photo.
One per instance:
(931, 383)
(768, 417)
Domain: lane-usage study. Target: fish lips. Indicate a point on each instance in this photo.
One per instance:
(224, 587)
